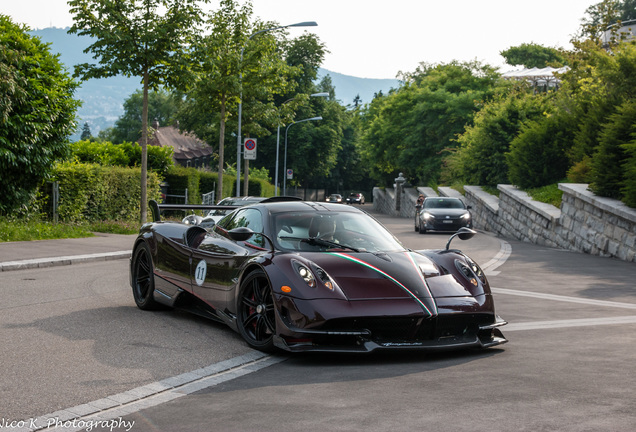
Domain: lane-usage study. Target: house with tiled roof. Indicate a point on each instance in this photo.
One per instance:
(188, 150)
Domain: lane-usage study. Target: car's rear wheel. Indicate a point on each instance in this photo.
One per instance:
(256, 315)
(143, 281)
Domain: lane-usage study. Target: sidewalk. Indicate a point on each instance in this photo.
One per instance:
(47, 253)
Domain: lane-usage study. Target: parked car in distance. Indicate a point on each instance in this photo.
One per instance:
(355, 198)
(334, 198)
(443, 214)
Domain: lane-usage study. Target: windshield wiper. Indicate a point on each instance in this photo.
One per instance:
(321, 242)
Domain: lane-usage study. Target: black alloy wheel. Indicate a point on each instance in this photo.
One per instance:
(256, 315)
(143, 282)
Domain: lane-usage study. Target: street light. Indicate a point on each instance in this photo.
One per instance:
(240, 107)
(323, 94)
(285, 163)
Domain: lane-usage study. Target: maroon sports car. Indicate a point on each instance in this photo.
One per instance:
(312, 276)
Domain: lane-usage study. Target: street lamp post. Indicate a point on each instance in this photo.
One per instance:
(285, 160)
(323, 94)
(240, 106)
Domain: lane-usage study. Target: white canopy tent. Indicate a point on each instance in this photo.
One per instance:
(538, 76)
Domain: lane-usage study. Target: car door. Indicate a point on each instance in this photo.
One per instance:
(217, 262)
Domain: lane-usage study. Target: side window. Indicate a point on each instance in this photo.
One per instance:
(250, 218)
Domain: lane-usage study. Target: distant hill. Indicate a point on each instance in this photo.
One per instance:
(103, 99)
(348, 87)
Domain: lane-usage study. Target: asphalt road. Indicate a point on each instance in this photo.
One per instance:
(73, 340)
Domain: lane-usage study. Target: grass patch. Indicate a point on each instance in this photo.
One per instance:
(492, 190)
(550, 194)
(11, 230)
(17, 230)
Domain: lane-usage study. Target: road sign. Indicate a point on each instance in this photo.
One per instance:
(290, 174)
(249, 151)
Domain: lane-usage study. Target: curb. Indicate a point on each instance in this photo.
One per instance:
(63, 260)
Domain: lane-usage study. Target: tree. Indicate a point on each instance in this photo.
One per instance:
(481, 159)
(134, 38)
(37, 112)
(538, 155)
(86, 132)
(233, 63)
(611, 159)
(162, 106)
(599, 17)
(531, 55)
(411, 127)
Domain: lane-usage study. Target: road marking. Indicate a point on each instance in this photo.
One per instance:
(544, 296)
(114, 407)
(584, 322)
(498, 260)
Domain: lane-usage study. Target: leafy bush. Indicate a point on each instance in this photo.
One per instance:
(91, 192)
(607, 173)
(629, 166)
(126, 154)
(179, 179)
(37, 113)
(481, 158)
(538, 155)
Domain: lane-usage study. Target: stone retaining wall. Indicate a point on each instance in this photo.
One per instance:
(584, 223)
(596, 225)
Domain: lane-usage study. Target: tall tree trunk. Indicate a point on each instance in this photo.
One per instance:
(144, 151)
(219, 183)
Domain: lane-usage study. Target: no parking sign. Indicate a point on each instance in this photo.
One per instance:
(249, 151)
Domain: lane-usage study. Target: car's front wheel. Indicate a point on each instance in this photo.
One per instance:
(143, 282)
(422, 230)
(256, 315)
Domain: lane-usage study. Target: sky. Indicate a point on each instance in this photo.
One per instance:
(378, 39)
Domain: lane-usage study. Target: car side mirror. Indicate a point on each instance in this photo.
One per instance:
(463, 234)
(244, 234)
(240, 233)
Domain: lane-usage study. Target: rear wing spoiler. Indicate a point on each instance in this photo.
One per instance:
(156, 208)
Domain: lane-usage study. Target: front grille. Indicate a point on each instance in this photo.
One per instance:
(384, 328)
(411, 329)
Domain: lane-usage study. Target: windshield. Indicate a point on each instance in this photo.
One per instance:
(443, 204)
(329, 231)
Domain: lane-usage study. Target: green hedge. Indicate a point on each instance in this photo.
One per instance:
(179, 179)
(199, 182)
(91, 192)
(125, 154)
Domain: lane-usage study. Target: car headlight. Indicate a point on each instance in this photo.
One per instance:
(305, 274)
(427, 215)
(466, 216)
(312, 275)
